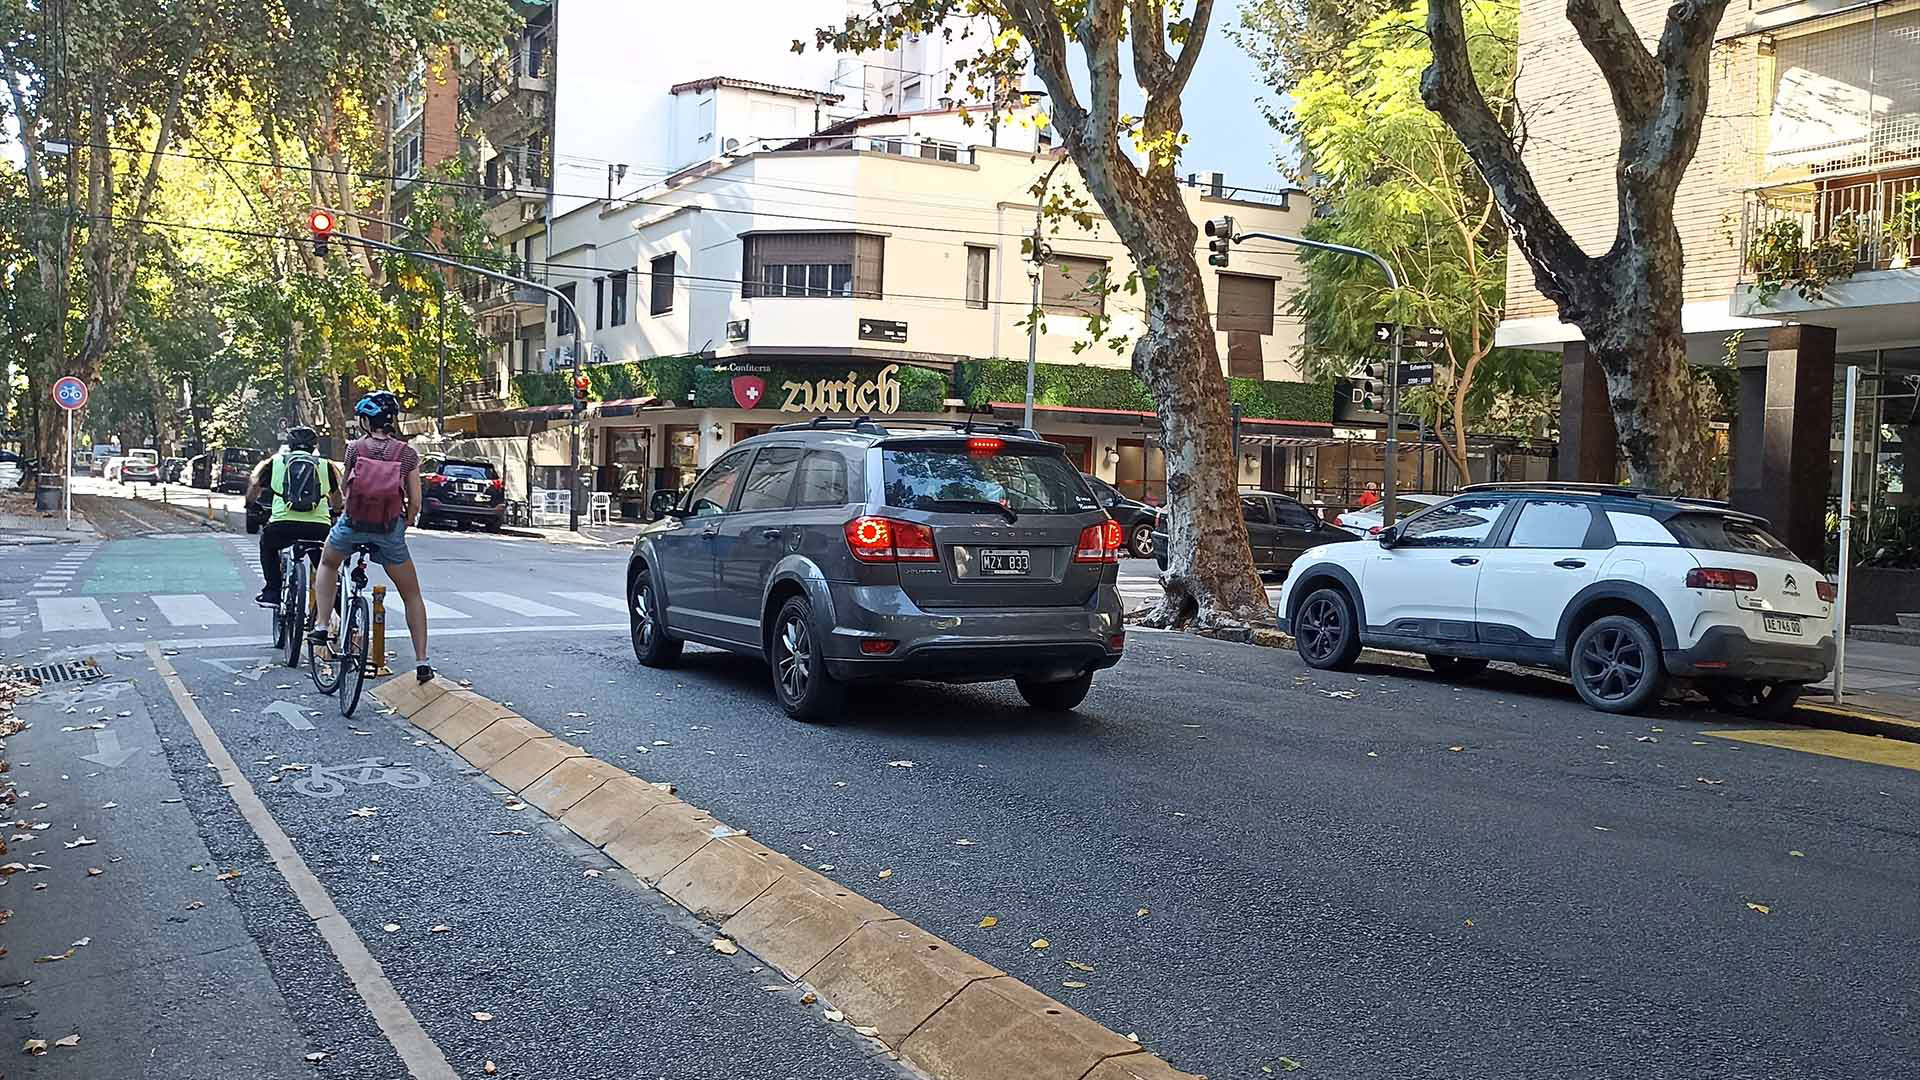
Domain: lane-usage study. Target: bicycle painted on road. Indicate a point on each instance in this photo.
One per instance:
(329, 781)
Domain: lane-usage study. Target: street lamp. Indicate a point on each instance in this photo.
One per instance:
(1038, 258)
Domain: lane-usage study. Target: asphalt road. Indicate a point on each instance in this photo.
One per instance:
(1377, 874)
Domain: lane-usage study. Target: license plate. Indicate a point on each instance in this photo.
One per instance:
(469, 485)
(1781, 624)
(1003, 562)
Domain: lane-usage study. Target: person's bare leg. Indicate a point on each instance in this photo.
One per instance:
(324, 584)
(406, 579)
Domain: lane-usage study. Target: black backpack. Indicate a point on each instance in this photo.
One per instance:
(302, 482)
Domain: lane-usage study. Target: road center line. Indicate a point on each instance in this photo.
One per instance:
(416, 1048)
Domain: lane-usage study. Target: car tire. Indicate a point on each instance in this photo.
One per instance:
(1758, 700)
(801, 682)
(1140, 540)
(1455, 667)
(1616, 665)
(1056, 695)
(1326, 632)
(652, 645)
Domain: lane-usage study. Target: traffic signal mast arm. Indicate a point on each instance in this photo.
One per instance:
(1225, 225)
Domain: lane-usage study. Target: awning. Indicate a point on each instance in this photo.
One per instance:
(623, 406)
(1312, 429)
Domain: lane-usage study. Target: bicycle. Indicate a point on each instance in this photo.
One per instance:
(340, 663)
(290, 618)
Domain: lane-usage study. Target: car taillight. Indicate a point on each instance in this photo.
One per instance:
(984, 444)
(434, 478)
(1337, 520)
(1708, 577)
(1100, 543)
(1825, 590)
(883, 540)
(499, 485)
(1375, 530)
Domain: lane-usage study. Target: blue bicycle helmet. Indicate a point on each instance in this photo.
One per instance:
(379, 409)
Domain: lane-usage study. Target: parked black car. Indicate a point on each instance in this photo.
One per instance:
(171, 469)
(462, 489)
(1134, 516)
(1278, 527)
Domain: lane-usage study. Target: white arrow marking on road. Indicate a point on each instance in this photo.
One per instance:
(251, 672)
(294, 715)
(106, 750)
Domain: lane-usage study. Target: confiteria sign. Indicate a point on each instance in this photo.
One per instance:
(880, 394)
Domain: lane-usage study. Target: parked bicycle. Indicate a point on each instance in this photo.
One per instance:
(290, 619)
(340, 662)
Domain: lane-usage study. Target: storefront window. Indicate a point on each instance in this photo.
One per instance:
(1079, 449)
(1141, 472)
(683, 457)
(743, 432)
(630, 453)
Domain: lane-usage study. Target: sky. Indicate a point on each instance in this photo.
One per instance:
(1222, 109)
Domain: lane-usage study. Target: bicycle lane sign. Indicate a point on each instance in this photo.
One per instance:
(69, 393)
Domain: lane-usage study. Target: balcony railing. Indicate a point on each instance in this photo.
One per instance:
(515, 171)
(1880, 212)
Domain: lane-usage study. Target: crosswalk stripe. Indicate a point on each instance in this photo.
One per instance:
(192, 609)
(441, 612)
(518, 605)
(72, 613)
(594, 599)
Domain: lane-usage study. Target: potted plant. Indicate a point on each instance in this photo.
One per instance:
(1902, 228)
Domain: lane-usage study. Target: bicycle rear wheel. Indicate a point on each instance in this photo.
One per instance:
(293, 609)
(353, 658)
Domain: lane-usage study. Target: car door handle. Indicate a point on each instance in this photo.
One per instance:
(772, 534)
(1571, 564)
(1466, 560)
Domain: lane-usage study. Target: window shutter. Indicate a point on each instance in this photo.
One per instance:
(1246, 303)
(1064, 289)
(869, 258)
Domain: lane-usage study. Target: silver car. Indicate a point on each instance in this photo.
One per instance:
(854, 550)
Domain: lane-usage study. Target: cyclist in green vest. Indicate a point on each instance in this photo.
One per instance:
(305, 488)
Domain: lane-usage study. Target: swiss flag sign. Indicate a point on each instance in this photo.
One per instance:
(748, 390)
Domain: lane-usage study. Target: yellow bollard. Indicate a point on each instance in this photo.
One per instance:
(377, 655)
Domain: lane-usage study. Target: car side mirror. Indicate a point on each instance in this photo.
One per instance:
(1390, 537)
(664, 503)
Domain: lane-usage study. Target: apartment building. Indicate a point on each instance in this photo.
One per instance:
(1810, 155)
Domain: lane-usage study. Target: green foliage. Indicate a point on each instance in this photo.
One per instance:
(669, 378)
(1290, 39)
(1781, 257)
(984, 382)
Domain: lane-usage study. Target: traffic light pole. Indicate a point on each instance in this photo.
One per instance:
(1393, 360)
(573, 463)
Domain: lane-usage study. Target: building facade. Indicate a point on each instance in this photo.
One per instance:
(1810, 159)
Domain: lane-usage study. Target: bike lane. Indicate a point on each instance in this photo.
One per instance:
(505, 938)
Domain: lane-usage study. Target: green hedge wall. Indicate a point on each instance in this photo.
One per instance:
(1088, 387)
(669, 378)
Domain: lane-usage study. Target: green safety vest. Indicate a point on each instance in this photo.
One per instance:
(278, 481)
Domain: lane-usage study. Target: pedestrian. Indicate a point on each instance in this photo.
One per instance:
(1370, 496)
(382, 500)
(306, 492)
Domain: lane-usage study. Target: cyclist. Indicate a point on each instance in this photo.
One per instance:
(383, 499)
(304, 487)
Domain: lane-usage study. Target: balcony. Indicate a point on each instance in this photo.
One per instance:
(514, 187)
(486, 296)
(505, 95)
(1832, 244)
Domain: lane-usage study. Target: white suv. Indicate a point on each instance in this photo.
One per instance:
(1620, 589)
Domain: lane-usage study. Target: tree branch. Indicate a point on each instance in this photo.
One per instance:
(1152, 65)
(1190, 51)
(1686, 50)
(1632, 75)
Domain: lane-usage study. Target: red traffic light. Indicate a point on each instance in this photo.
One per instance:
(320, 221)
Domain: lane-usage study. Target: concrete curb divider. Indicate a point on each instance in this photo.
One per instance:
(948, 1013)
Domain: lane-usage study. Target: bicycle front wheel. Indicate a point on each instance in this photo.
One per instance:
(293, 610)
(354, 654)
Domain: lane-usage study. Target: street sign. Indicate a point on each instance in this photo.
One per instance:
(1416, 373)
(1425, 337)
(883, 330)
(1383, 333)
(69, 393)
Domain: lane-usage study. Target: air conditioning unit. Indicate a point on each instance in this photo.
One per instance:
(598, 355)
(731, 146)
(529, 211)
(558, 359)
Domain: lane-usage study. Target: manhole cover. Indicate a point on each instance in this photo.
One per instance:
(64, 671)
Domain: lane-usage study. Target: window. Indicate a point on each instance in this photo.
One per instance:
(407, 154)
(563, 313)
(1557, 524)
(1631, 528)
(1719, 532)
(660, 285)
(1246, 303)
(1071, 285)
(812, 264)
(599, 303)
(1455, 524)
(714, 493)
(526, 354)
(939, 151)
(979, 260)
(770, 481)
(1291, 515)
(1254, 509)
(823, 480)
(617, 314)
(955, 481)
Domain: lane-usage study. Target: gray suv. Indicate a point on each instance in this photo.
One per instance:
(848, 550)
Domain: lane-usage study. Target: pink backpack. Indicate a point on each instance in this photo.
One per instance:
(377, 486)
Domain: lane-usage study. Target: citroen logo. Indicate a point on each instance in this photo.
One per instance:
(1791, 587)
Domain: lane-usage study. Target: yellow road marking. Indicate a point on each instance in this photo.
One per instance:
(1868, 748)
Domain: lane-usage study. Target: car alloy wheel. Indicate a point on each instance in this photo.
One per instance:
(1612, 665)
(1320, 628)
(793, 658)
(652, 645)
(1142, 540)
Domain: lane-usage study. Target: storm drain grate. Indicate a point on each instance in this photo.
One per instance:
(64, 671)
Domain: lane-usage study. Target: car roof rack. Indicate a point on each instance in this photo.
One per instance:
(822, 423)
(887, 427)
(1568, 486)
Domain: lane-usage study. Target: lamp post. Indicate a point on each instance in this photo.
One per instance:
(1038, 258)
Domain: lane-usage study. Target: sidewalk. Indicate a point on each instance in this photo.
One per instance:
(1883, 684)
(20, 523)
(619, 535)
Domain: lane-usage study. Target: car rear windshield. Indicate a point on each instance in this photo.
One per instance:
(943, 480)
(1718, 532)
(468, 470)
(240, 455)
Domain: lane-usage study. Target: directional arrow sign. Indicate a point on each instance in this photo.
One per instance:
(1382, 333)
(106, 750)
(294, 715)
(251, 672)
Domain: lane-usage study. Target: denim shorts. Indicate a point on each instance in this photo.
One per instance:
(389, 545)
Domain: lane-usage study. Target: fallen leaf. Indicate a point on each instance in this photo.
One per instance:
(1456, 749)
(509, 832)
(94, 871)
(515, 807)
(884, 874)
(1290, 1065)
(1761, 908)
(228, 876)
(34, 1047)
(57, 957)
(1078, 966)
(373, 858)
(1469, 922)
(69, 1042)
(483, 1017)
(196, 905)
(807, 998)
(990, 921)
(869, 1032)
(391, 927)
(965, 843)
(83, 943)
(576, 716)
(1645, 738)
(824, 866)
(1142, 913)
(489, 1068)
(834, 1015)
(1601, 828)
(317, 1055)
(1798, 854)
(590, 873)
(1704, 780)
(900, 764)
(441, 929)
(1073, 984)
(776, 989)
(724, 947)
(363, 811)
(1041, 943)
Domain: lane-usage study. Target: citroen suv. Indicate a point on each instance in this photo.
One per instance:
(1623, 590)
(855, 550)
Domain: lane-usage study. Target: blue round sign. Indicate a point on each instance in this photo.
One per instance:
(70, 393)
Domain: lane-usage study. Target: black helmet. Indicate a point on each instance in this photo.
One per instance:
(379, 409)
(301, 437)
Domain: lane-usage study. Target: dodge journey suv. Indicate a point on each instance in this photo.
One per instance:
(847, 550)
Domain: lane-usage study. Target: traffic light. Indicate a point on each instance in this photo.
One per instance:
(1366, 385)
(321, 222)
(580, 388)
(1220, 229)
